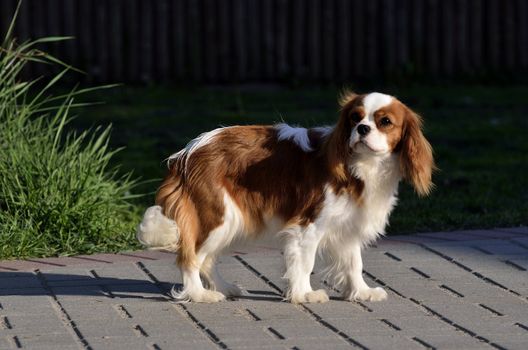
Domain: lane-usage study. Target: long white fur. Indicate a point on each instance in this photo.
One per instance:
(352, 227)
(196, 143)
(156, 231)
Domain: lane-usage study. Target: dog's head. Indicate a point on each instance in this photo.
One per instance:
(378, 125)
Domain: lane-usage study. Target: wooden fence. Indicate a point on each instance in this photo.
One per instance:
(274, 40)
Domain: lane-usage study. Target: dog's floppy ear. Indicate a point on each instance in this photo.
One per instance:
(346, 96)
(416, 155)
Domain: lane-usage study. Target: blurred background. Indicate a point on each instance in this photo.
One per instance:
(188, 66)
(288, 41)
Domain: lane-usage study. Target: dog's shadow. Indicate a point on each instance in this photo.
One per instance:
(56, 284)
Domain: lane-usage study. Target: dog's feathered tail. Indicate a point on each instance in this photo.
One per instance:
(158, 232)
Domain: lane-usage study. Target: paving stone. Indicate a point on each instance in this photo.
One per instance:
(267, 342)
(105, 327)
(317, 344)
(510, 341)
(6, 342)
(119, 343)
(520, 230)
(172, 342)
(386, 341)
(304, 329)
(48, 341)
(271, 310)
(28, 324)
(119, 301)
(460, 341)
(340, 309)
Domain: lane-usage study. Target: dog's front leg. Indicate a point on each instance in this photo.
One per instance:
(299, 253)
(355, 286)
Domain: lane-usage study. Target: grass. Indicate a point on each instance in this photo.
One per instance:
(59, 192)
(478, 134)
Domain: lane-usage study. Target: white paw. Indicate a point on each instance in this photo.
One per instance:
(200, 296)
(314, 296)
(209, 296)
(369, 294)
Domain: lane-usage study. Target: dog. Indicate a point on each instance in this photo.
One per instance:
(326, 189)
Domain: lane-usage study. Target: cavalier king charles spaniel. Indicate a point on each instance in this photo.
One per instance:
(326, 189)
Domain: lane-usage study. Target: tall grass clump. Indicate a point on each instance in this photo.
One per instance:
(59, 194)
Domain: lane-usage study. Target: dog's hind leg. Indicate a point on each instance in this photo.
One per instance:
(214, 280)
(193, 289)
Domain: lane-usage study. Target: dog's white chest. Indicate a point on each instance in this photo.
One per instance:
(343, 215)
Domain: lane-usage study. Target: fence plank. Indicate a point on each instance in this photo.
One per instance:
(522, 29)
(328, 32)
(461, 35)
(70, 47)
(131, 40)
(39, 31)
(239, 20)
(314, 39)
(268, 31)
(358, 39)
(210, 37)
(146, 37)
(372, 41)
(281, 14)
(23, 34)
(7, 10)
(493, 34)
(402, 34)
(433, 36)
(53, 28)
(161, 40)
(509, 34)
(388, 41)
(178, 40)
(115, 40)
(418, 38)
(225, 58)
(476, 34)
(343, 42)
(448, 40)
(254, 40)
(101, 40)
(273, 40)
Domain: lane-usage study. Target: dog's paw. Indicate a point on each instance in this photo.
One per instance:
(209, 296)
(314, 296)
(368, 294)
(197, 296)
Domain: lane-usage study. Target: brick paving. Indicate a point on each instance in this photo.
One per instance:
(453, 290)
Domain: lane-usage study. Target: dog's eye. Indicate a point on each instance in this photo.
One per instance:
(385, 121)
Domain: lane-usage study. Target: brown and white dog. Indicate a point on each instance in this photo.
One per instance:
(329, 189)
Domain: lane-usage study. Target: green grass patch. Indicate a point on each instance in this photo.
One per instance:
(60, 192)
(478, 134)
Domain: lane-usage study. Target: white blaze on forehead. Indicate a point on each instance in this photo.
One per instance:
(375, 140)
(374, 101)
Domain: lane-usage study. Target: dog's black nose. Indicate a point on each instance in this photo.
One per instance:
(363, 129)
